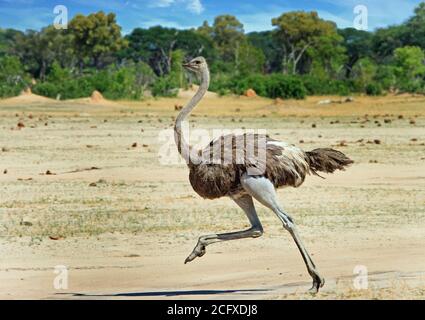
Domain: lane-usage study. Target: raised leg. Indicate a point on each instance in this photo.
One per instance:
(256, 230)
(263, 191)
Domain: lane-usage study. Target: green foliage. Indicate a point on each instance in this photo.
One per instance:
(373, 89)
(165, 87)
(127, 82)
(272, 86)
(227, 34)
(249, 59)
(323, 86)
(304, 54)
(12, 76)
(409, 68)
(96, 37)
(300, 31)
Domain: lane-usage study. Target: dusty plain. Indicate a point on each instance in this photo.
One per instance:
(84, 185)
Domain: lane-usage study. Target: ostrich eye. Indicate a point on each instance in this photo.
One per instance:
(198, 62)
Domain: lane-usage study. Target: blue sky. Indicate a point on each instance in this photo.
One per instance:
(255, 14)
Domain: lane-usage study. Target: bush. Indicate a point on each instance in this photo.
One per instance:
(165, 87)
(281, 86)
(373, 89)
(12, 77)
(321, 86)
(127, 82)
(271, 86)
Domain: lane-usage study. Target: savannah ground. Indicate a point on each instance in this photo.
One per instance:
(122, 223)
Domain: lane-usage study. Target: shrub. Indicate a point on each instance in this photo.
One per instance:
(165, 87)
(272, 86)
(323, 86)
(281, 86)
(373, 89)
(127, 82)
(12, 77)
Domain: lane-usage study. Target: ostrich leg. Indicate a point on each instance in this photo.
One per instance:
(245, 202)
(263, 191)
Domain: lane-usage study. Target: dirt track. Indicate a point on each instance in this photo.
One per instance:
(127, 236)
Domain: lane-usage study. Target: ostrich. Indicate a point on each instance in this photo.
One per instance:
(284, 165)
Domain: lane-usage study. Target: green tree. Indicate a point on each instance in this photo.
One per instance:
(7, 40)
(409, 64)
(299, 31)
(416, 27)
(12, 76)
(268, 44)
(38, 50)
(365, 71)
(358, 45)
(386, 40)
(249, 59)
(327, 58)
(96, 38)
(156, 45)
(228, 34)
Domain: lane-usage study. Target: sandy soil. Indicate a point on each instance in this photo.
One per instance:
(124, 222)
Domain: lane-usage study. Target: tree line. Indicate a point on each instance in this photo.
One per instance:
(302, 55)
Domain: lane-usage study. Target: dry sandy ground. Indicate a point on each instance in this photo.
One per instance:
(126, 236)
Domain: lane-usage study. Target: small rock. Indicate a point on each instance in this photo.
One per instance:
(25, 223)
(93, 184)
(5, 171)
(377, 141)
(55, 237)
(134, 145)
(21, 125)
(313, 125)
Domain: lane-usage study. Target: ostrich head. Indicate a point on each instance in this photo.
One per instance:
(197, 65)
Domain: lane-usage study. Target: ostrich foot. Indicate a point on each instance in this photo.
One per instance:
(199, 251)
(318, 282)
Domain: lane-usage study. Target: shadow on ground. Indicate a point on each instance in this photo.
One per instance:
(171, 293)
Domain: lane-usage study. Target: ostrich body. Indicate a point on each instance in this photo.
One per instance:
(244, 178)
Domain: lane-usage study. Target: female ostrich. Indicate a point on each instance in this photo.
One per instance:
(243, 178)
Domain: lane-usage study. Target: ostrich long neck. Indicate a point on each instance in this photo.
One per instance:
(182, 145)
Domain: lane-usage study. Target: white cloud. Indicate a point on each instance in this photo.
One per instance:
(163, 3)
(194, 6)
